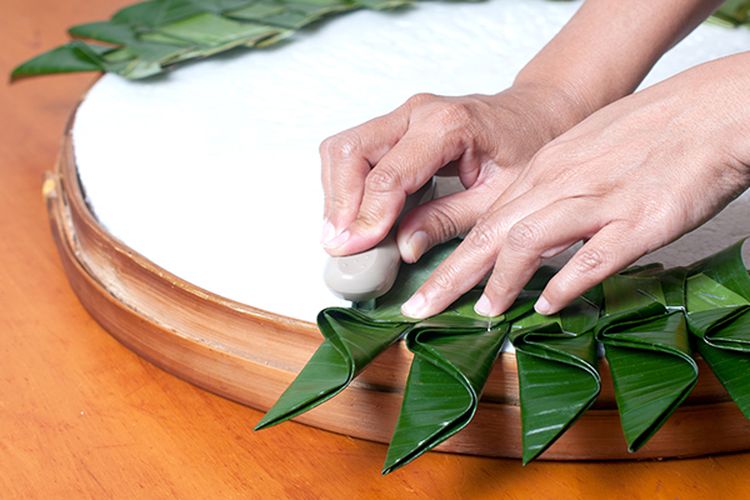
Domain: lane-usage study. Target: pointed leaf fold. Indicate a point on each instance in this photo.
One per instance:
(645, 336)
(718, 304)
(557, 375)
(351, 342)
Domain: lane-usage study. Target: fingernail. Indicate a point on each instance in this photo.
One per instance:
(416, 245)
(329, 232)
(542, 306)
(338, 240)
(415, 307)
(483, 306)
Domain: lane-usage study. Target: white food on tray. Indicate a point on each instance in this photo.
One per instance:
(212, 171)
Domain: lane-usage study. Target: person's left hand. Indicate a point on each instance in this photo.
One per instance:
(631, 178)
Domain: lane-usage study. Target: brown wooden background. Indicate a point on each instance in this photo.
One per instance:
(81, 416)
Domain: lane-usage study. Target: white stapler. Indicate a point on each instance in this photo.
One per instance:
(370, 274)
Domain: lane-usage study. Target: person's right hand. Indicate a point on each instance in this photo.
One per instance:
(369, 170)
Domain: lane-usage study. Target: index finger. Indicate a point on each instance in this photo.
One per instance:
(474, 257)
(346, 160)
(411, 162)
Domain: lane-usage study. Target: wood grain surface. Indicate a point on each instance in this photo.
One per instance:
(83, 417)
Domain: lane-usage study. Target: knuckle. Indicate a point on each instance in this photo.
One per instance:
(382, 180)
(369, 217)
(445, 279)
(442, 222)
(524, 235)
(339, 204)
(590, 260)
(341, 146)
(419, 99)
(544, 156)
(454, 113)
(481, 237)
(325, 146)
(548, 164)
(497, 284)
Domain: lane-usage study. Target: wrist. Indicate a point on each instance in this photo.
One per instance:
(557, 107)
(739, 80)
(720, 87)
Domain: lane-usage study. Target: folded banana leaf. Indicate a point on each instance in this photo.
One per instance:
(149, 37)
(351, 342)
(557, 375)
(72, 57)
(718, 304)
(354, 337)
(453, 357)
(645, 336)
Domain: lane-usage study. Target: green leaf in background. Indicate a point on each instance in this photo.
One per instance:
(105, 31)
(151, 36)
(294, 16)
(718, 304)
(450, 368)
(734, 12)
(138, 56)
(351, 342)
(145, 16)
(645, 336)
(210, 31)
(216, 26)
(72, 57)
(557, 375)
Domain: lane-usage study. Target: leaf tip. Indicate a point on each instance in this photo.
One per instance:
(265, 423)
(387, 469)
(18, 73)
(391, 463)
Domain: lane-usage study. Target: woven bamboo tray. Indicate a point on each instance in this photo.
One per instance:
(249, 355)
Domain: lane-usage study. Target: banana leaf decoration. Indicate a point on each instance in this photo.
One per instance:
(643, 329)
(354, 337)
(453, 356)
(718, 302)
(150, 37)
(351, 342)
(557, 371)
(646, 342)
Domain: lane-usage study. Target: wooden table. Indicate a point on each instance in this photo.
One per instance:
(81, 416)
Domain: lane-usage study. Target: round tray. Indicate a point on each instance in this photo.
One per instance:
(250, 355)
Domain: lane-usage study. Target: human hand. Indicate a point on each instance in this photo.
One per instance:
(369, 170)
(631, 178)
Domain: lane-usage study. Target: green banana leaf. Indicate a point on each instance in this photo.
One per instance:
(557, 375)
(410, 278)
(646, 342)
(153, 36)
(643, 329)
(352, 340)
(718, 303)
(453, 357)
(75, 56)
(733, 13)
(150, 37)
